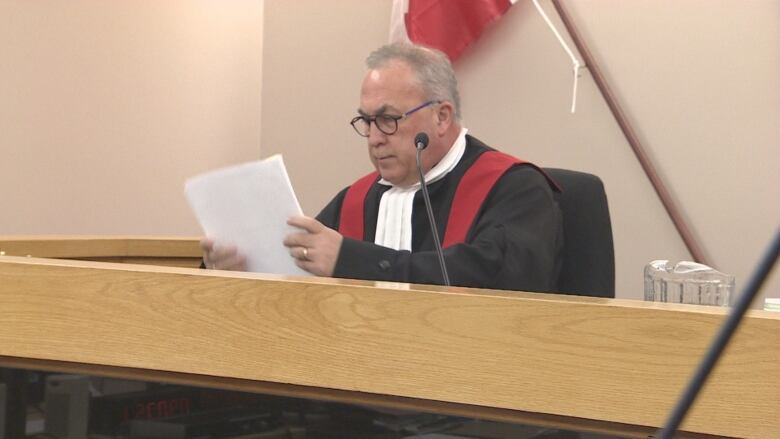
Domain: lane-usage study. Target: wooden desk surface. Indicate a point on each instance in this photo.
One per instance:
(148, 250)
(577, 361)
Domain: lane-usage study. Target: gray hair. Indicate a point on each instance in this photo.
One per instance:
(431, 67)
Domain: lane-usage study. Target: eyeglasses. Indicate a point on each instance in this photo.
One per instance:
(386, 123)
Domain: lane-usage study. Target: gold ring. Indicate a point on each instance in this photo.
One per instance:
(305, 254)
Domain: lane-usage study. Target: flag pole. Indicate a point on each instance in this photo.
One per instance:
(696, 250)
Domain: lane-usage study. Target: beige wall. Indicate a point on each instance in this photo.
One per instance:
(698, 78)
(107, 106)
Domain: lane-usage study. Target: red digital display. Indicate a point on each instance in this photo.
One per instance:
(163, 408)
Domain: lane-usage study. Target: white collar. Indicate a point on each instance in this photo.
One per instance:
(444, 166)
(394, 221)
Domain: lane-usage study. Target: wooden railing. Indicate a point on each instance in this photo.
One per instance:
(148, 250)
(589, 364)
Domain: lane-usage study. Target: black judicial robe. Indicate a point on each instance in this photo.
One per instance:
(514, 243)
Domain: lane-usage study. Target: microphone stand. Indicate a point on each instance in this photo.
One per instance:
(722, 339)
(434, 230)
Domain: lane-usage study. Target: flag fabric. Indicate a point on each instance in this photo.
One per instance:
(448, 25)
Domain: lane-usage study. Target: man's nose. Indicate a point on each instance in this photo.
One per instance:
(375, 135)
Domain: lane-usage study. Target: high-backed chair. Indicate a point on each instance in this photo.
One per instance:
(588, 267)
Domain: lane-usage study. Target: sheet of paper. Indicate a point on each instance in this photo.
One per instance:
(248, 205)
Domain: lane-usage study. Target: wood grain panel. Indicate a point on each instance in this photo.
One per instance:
(165, 251)
(82, 247)
(596, 359)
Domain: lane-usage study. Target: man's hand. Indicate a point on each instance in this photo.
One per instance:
(219, 257)
(316, 248)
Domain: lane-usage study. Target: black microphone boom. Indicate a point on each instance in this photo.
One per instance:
(728, 329)
(421, 142)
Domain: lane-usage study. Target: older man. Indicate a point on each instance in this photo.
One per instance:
(498, 219)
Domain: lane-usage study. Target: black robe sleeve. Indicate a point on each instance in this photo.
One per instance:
(514, 244)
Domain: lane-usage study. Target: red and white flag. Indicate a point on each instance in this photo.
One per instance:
(452, 25)
(447, 25)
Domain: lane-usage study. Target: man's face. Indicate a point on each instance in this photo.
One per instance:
(392, 90)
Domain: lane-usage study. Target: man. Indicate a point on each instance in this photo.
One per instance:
(507, 235)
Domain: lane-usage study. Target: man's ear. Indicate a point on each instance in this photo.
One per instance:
(445, 117)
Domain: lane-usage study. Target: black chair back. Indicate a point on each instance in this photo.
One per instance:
(588, 267)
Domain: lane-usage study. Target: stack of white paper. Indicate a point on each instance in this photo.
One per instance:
(248, 205)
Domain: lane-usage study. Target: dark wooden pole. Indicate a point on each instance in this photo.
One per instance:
(696, 250)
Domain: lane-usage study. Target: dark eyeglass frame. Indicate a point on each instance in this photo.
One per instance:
(387, 117)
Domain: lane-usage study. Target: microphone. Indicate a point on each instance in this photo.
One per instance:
(421, 142)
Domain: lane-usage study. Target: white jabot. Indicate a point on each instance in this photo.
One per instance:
(394, 222)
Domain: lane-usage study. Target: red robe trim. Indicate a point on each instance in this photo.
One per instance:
(470, 194)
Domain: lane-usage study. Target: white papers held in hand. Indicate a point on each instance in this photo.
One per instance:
(248, 205)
